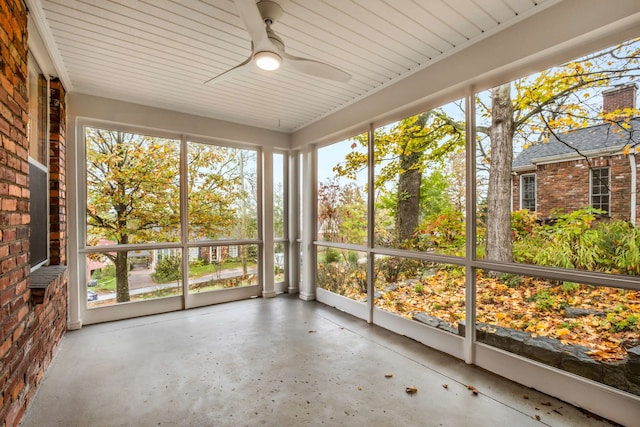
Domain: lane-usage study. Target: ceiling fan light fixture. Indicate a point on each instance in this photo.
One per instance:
(268, 61)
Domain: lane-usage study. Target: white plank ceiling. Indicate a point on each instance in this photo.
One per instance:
(159, 52)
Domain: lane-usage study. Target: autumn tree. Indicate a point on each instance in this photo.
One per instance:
(132, 194)
(342, 211)
(529, 110)
(499, 245)
(222, 188)
(214, 182)
(402, 154)
(524, 112)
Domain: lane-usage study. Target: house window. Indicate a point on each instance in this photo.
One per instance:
(233, 251)
(600, 195)
(528, 192)
(37, 131)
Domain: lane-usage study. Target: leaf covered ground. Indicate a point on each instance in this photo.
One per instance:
(605, 320)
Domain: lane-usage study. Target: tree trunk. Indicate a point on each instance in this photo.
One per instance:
(122, 276)
(408, 205)
(499, 243)
(243, 260)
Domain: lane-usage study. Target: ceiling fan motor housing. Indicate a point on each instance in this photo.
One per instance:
(269, 10)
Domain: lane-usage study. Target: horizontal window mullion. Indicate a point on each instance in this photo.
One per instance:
(200, 243)
(555, 273)
(128, 247)
(425, 256)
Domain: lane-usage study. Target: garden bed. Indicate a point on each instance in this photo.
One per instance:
(589, 331)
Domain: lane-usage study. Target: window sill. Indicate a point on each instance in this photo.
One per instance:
(43, 278)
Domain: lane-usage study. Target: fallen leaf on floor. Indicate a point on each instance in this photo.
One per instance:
(445, 385)
(411, 390)
(388, 375)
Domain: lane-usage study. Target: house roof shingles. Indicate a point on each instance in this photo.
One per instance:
(592, 141)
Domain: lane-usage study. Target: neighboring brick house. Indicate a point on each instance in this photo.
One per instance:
(586, 167)
(33, 277)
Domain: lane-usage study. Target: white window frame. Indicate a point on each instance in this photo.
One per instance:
(535, 191)
(160, 305)
(591, 188)
(34, 68)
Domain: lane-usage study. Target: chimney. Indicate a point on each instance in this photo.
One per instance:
(621, 96)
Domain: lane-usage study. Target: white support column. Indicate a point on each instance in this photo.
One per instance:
(74, 320)
(371, 221)
(470, 207)
(268, 288)
(308, 284)
(293, 222)
(184, 219)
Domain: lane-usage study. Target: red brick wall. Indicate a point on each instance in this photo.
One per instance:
(565, 186)
(57, 175)
(29, 332)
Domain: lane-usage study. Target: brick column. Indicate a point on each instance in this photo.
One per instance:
(14, 209)
(57, 175)
(30, 328)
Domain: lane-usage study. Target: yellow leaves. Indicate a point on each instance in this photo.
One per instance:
(441, 295)
(628, 150)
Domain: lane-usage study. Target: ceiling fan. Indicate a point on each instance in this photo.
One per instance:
(267, 49)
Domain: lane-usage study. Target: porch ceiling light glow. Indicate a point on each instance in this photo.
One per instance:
(268, 61)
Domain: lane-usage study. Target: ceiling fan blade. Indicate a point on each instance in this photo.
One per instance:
(254, 24)
(315, 68)
(238, 69)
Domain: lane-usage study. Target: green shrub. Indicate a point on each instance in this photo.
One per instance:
(620, 243)
(196, 263)
(523, 222)
(545, 301)
(568, 287)
(619, 323)
(331, 255)
(169, 268)
(578, 240)
(445, 232)
(352, 257)
(395, 269)
(342, 278)
(511, 280)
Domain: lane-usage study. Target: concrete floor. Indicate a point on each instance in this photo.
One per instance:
(273, 362)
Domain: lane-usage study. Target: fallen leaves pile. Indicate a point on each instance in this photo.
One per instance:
(605, 320)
